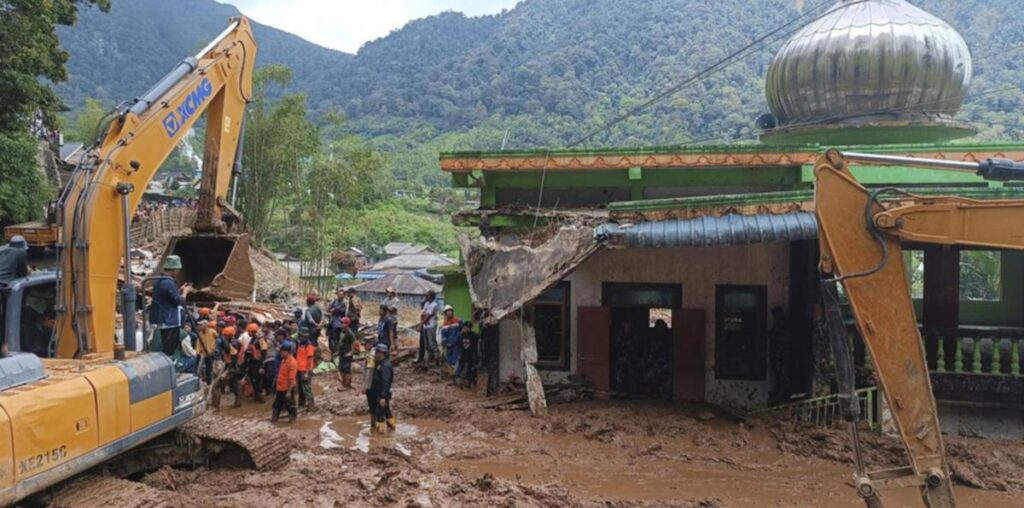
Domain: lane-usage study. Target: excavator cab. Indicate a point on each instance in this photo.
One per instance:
(27, 313)
(217, 266)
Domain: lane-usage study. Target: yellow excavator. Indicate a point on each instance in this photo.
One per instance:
(73, 391)
(860, 233)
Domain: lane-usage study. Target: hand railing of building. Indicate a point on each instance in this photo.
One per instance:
(973, 350)
(824, 412)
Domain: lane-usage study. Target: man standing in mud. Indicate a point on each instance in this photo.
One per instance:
(337, 310)
(305, 353)
(354, 310)
(385, 327)
(469, 341)
(344, 353)
(379, 396)
(428, 328)
(312, 317)
(287, 377)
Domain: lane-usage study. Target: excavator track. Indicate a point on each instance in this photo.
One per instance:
(259, 440)
(102, 491)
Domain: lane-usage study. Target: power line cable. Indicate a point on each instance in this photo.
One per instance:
(697, 77)
(721, 64)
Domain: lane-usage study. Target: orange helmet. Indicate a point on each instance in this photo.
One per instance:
(228, 331)
(252, 328)
(204, 311)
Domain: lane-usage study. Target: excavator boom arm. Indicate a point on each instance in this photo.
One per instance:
(860, 238)
(218, 81)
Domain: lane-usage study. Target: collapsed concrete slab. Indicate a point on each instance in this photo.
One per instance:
(503, 278)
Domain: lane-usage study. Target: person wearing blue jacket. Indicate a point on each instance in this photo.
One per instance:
(165, 310)
(451, 330)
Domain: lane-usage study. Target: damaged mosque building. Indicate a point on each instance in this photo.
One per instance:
(690, 273)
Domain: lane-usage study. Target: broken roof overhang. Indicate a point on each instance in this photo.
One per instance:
(712, 231)
(503, 278)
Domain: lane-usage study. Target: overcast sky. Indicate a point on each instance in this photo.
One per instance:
(347, 24)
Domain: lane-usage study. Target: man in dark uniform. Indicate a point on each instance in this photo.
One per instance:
(346, 340)
(338, 310)
(165, 310)
(14, 260)
(381, 418)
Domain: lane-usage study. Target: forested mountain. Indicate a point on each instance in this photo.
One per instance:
(548, 70)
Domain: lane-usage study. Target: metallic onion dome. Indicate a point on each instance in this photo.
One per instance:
(869, 61)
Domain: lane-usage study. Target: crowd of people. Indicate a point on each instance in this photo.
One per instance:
(147, 209)
(256, 359)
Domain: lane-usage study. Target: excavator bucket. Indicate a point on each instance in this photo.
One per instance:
(217, 266)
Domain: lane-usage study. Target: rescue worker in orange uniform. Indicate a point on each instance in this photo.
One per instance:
(287, 377)
(304, 354)
(253, 361)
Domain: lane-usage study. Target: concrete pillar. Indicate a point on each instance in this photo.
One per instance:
(941, 309)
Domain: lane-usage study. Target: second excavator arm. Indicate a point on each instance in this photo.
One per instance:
(860, 234)
(93, 207)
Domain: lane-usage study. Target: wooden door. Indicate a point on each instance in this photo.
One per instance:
(594, 336)
(688, 333)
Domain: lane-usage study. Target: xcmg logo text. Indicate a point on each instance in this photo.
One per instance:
(174, 120)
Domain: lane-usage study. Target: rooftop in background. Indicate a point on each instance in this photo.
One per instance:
(404, 284)
(413, 262)
(400, 248)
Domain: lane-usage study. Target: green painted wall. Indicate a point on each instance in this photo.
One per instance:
(456, 294)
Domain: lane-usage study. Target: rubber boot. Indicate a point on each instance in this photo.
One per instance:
(238, 401)
(274, 416)
(346, 381)
(380, 428)
(392, 423)
(310, 405)
(215, 397)
(260, 399)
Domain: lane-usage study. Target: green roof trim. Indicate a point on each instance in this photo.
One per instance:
(737, 148)
(448, 270)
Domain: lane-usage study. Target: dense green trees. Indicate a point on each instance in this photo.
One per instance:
(279, 139)
(545, 73)
(29, 58)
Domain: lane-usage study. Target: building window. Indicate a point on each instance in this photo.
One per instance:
(551, 323)
(981, 276)
(741, 332)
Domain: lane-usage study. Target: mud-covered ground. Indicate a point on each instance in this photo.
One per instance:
(451, 451)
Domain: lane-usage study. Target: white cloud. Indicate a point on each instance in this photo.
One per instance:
(347, 24)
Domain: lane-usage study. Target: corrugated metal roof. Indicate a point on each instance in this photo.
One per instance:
(713, 231)
(400, 248)
(404, 284)
(413, 262)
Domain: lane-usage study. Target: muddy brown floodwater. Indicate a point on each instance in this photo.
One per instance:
(450, 451)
